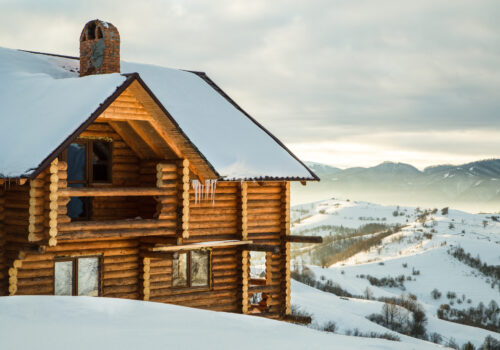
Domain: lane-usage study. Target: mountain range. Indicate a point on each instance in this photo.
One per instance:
(472, 187)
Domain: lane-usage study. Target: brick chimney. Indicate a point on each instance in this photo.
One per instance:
(99, 48)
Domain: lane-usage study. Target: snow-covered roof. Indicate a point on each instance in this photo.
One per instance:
(43, 102)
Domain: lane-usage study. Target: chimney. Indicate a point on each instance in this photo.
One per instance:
(99, 48)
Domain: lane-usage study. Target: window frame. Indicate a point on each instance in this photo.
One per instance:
(189, 282)
(74, 272)
(89, 165)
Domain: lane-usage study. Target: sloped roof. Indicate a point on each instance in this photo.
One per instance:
(43, 102)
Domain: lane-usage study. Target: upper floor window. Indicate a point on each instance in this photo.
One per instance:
(89, 161)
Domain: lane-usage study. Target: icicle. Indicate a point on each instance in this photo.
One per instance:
(214, 187)
(207, 188)
(204, 191)
(196, 188)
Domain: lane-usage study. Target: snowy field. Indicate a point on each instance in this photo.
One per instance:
(420, 252)
(60, 323)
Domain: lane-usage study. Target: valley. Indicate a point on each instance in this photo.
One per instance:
(446, 261)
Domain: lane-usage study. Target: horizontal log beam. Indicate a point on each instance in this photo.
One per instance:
(263, 248)
(195, 246)
(125, 233)
(304, 239)
(263, 289)
(113, 191)
(113, 225)
(159, 255)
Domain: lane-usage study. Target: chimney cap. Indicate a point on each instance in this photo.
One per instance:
(97, 29)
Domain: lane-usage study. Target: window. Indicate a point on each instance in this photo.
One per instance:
(77, 276)
(89, 162)
(192, 269)
(259, 265)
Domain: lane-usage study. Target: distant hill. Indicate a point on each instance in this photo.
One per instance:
(365, 260)
(473, 186)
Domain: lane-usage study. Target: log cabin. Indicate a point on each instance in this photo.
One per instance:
(136, 181)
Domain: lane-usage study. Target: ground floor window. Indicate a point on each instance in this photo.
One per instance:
(192, 269)
(258, 298)
(77, 276)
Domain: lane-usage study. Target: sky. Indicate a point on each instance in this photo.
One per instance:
(342, 82)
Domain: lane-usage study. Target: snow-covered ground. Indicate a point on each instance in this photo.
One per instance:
(49, 322)
(420, 252)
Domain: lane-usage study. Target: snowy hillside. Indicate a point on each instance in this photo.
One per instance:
(60, 323)
(433, 255)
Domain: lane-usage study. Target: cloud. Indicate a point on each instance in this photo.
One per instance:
(312, 71)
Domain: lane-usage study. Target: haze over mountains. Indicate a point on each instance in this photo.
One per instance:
(472, 187)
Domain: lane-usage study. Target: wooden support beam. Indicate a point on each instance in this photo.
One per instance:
(113, 225)
(133, 141)
(150, 140)
(263, 248)
(108, 116)
(304, 239)
(196, 246)
(126, 233)
(114, 191)
(159, 255)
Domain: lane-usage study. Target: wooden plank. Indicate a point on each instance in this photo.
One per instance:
(112, 224)
(148, 137)
(304, 239)
(195, 246)
(134, 141)
(114, 191)
(124, 233)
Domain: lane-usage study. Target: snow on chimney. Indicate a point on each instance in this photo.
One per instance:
(99, 48)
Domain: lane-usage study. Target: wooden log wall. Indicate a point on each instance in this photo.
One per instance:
(223, 296)
(16, 218)
(215, 220)
(15, 225)
(37, 202)
(3, 261)
(120, 267)
(167, 177)
(265, 210)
